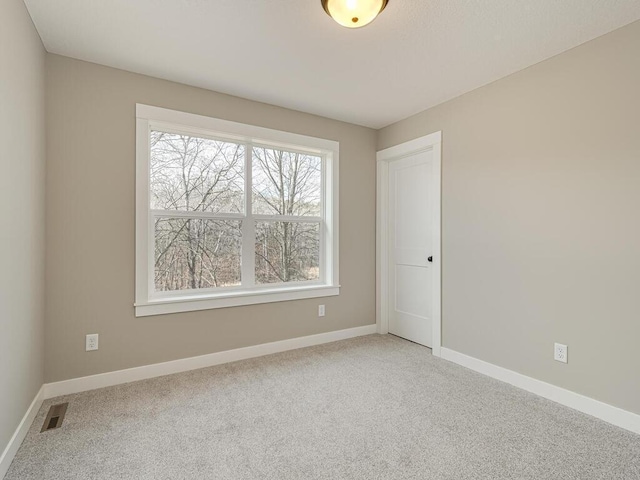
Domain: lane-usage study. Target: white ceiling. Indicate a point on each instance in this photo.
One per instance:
(417, 54)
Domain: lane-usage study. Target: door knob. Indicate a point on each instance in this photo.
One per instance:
(430, 259)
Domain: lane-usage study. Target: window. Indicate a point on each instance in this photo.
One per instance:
(230, 214)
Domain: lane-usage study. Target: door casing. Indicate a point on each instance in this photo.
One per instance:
(432, 142)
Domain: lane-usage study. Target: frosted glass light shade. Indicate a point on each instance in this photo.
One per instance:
(354, 13)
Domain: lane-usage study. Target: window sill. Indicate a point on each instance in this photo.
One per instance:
(235, 299)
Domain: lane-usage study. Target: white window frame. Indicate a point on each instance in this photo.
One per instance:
(147, 300)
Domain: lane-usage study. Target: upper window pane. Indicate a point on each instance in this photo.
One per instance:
(286, 183)
(195, 174)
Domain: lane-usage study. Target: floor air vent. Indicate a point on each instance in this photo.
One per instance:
(55, 417)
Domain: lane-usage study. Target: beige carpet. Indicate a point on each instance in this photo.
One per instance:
(375, 407)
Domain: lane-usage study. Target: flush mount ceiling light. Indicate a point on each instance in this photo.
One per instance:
(354, 13)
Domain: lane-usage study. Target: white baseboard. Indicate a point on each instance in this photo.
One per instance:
(109, 379)
(610, 414)
(18, 436)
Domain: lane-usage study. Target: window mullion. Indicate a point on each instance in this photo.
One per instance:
(248, 224)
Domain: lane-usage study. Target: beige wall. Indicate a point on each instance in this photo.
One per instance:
(541, 218)
(22, 164)
(90, 227)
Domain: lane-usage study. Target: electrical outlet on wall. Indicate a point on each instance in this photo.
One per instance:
(561, 353)
(321, 310)
(91, 342)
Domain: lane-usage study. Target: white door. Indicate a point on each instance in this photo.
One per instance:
(410, 245)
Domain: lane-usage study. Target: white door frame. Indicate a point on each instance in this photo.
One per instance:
(432, 142)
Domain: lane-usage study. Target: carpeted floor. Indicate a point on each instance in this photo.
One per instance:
(374, 407)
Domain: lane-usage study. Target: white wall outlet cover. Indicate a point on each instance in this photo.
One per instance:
(561, 353)
(91, 342)
(321, 310)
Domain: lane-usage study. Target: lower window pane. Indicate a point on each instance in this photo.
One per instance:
(193, 253)
(287, 252)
